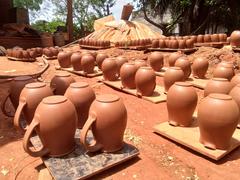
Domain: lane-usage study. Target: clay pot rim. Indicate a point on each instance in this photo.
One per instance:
(22, 78)
(107, 98)
(185, 84)
(35, 85)
(79, 85)
(54, 99)
(62, 74)
(220, 79)
(220, 96)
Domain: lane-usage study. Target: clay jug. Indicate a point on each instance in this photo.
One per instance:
(189, 43)
(76, 61)
(235, 38)
(200, 38)
(207, 38)
(236, 96)
(181, 103)
(236, 79)
(100, 58)
(16, 86)
(217, 85)
(185, 65)
(214, 38)
(223, 37)
(162, 43)
(224, 71)
(182, 43)
(88, 63)
(82, 96)
(217, 117)
(127, 75)
(172, 75)
(120, 60)
(155, 43)
(60, 82)
(155, 60)
(174, 44)
(55, 122)
(31, 95)
(145, 80)
(200, 67)
(64, 59)
(110, 69)
(107, 120)
(173, 57)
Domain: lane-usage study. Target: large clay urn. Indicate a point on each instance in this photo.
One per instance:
(60, 82)
(181, 103)
(88, 63)
(107, 120)
(140, 63)
(145, 80)
(235, 38)
(172, 58)
(110, 69)
(64, 59)
(82, 96)
(217, 117)
(236, 79)
(224, 71)
(100, 58)
(127, 75)
(236, 96)
(155, 60)
(76, 61)
(217, 85)
(200, 38)
(200, 67)
(31, 95)
(55, 122)
(185, 65)
(172, 75)
(120, 60)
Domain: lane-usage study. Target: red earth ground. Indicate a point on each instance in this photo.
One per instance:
(159, 158)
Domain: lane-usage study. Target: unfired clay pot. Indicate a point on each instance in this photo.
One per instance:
(185, 65)
(88, 63)
(145, 80)
(108, 120)
(214, 38)
(217, 117)
(217, 85)
(127, 75)
(236, 79)
(162, 43)
(60, 82)
(235, 38)
(181, 103)
(200, 67)
(55, 122)
(76, 61)
(172, 75)
(223, 37)
(110, 69)
(236, 96)
(189, 43)
(64, 59)
(200, 38)
(207, 38)
(182, 43)
(155, 43)
(82, 96)
(224, 71)
(173, 57)
(100, 58)
(155, 60)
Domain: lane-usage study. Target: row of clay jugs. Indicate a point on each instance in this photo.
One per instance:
(110, 69)
(64, 59)
(127, 75)
(224, 70)
(235, 38)
(172, 58)
(236, 96)
(155, 60)
(181, 103)
(172, 75)
(31, 95)
(200, 67)
(55, 122)
(185, 65)
(217, 116)
(82, 96)
(107, 120)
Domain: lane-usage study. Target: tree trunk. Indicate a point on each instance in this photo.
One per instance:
(70, 19)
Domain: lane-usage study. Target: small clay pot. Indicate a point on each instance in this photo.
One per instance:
(88, 63)
(217, 85)
(217, 117)
(235, 38)
(155, 43)
(194, 38)
(145, 80)
(127, 75)
(200, 67)
(155, 60)
(110, 69)
(64, 59)
(182, 44)
(172, 58)
(224, 71)
(19, 54)
(60, 82)
(185, 65)
(200, 38)
(222, 37)
(181, 103)
(214, 38)
(174, 44)
(100, 58)
(76, 61)
(236, 79)
(207, 38)
(107, 120)
(55, 122)
(120, 60)
(167, 41)
(162, 43)
(172, 75)
(26, 55)
(47, 52)
(189, 43)
(140, 63)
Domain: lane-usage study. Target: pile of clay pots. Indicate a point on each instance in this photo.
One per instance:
(21, 54)
(133, 43)
(235, 38)
(63, 107)
(51, 52)
(94, 43)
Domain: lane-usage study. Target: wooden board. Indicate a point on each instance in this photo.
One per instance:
(157, 97)
(21, 59)
(189, 50)
(93, 47)
(97, 72)
(80, 164)
(189, 137)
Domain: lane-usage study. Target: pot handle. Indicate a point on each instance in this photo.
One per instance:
(3, 105)
(26, 141)
(17, 115)
(94, 146)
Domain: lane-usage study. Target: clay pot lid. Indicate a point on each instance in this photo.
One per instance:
(107, 98)
(180, 83)
(219, 79)
(79, 85)
(35, 85)
(63, 74)
(175, 68)
(54, 99)
(22, 78)
(220, 96)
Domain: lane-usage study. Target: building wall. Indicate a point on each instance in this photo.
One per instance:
(5, 5)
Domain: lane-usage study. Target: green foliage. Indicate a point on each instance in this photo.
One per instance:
(28, 4)
(44, 26)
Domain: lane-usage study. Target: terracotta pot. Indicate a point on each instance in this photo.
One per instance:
(174, 44)
(82, 96)
(189, 43)
(140, 63)
(236, 79)
(19, 54)
(167, 41)
(55, 122)
(60, 82)
(76, 61)
(217, 85)
(155, 60)
(182, 43)
(236, 97)
(185, 65)
(31, 95)
(47, 52)
(218, 116)
(235, 38)
(64, 59)
(200, 67)
(224, 71)
(145, 80)
(108, 120)
(155, 43)
(26, 55)
(181, 103)
(194, 38)
(207, 38)
(214, 38)
(100, 58)
(120, 60)
(226, 63)
(88, 63)
(223, 37)
(172, 58)
(162, 43)
(200, 38)
(172, 75)
(110, 69)
(127, 75)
